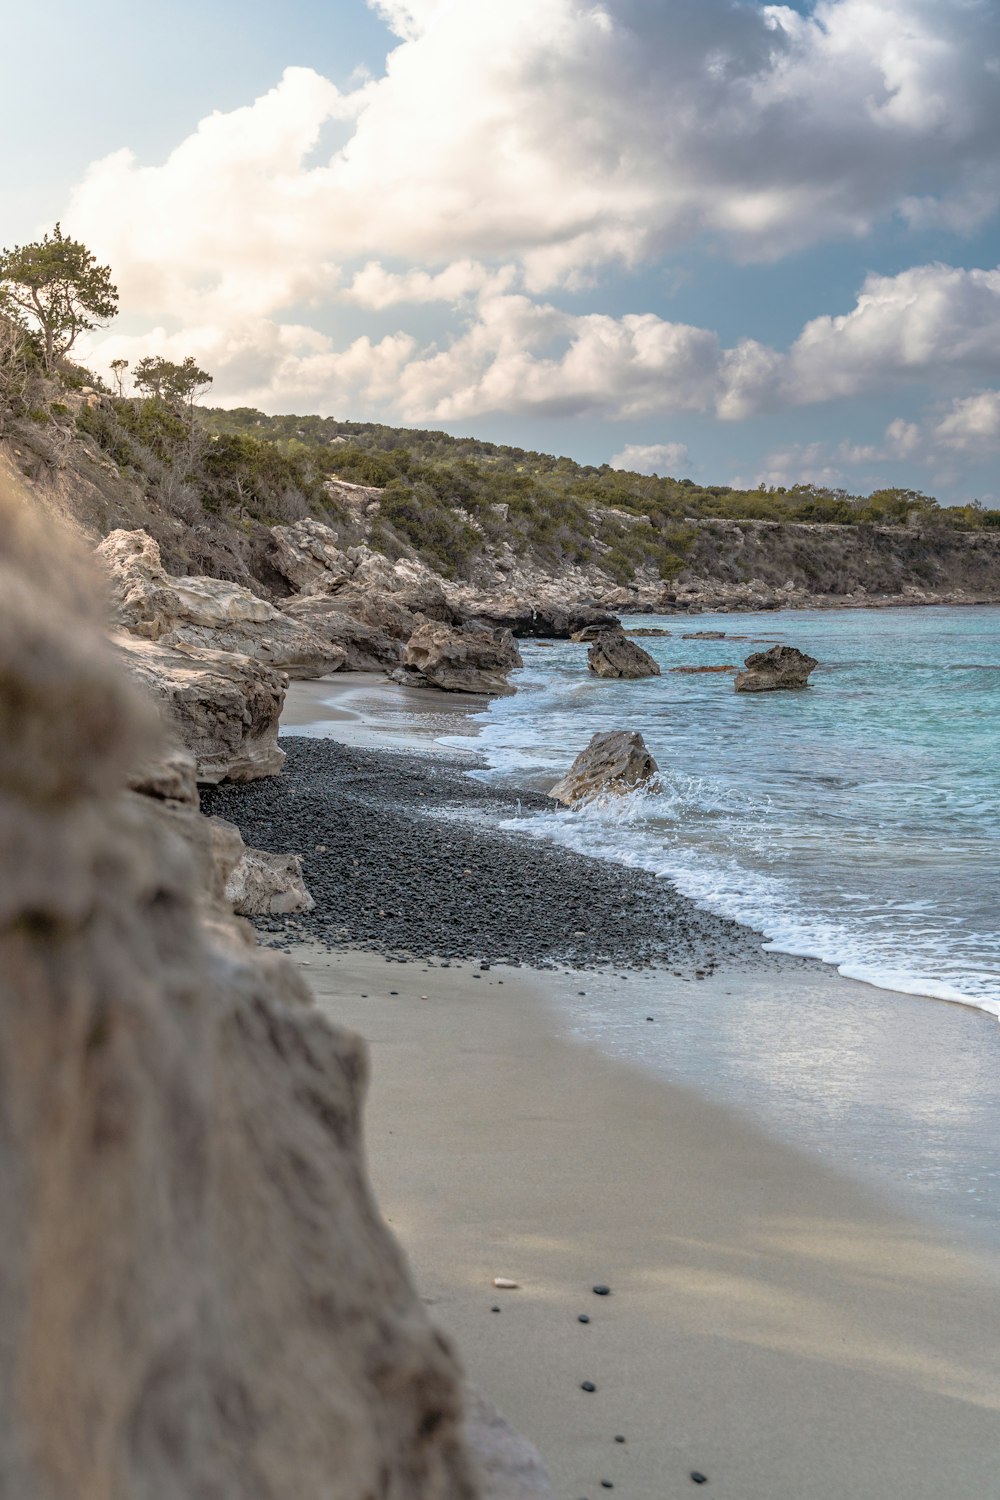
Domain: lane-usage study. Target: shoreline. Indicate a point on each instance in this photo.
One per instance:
(831, 1062)
(771, 1323)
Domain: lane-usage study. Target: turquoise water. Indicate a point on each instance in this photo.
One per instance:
(857, 822)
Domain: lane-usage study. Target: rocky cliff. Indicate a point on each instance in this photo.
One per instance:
(198, 1296)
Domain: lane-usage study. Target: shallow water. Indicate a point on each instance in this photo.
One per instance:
(857, 822)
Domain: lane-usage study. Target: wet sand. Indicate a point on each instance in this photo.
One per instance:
(771, 1324)
(364, 709)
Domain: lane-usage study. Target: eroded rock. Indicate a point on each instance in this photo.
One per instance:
(769, 671)
(613, 654)
(473, 659)
(199, 1295)
(366, 647)
(616, 762)
(224, 708)
(206, 612)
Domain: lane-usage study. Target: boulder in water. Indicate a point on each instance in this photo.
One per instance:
(769, 671)
(616, 762)
(614, 655)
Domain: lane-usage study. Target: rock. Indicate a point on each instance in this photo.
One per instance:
(615, 762)
(473, 659)
(614, 655)
(589, 632)
(781, 667)
(729, 667)
(307, 555)
(208, 612)
(259, 884)
(224, 708)
(647, 630)
(171, 777)
(530, 618)
(704, 635)
(366, 648)
(199, 1294)
(508, 1467)
(505, 1283)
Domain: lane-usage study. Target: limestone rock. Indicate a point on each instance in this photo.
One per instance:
(366, 648)
(260, 884)
(469, 660)
(616, 762)
(308, 557)
(614, 655)
(529, 616)
(224, 708)
(171, 777)
(781, 667)
(704, 635)
(209, 612)
(199, 1294)
(508, 1467)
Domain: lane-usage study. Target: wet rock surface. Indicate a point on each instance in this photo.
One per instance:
(402, 856)
(613, 654)
(770, 671)
(615, 762)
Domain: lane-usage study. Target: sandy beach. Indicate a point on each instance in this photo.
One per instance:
(775, 1324)
(771, 1324)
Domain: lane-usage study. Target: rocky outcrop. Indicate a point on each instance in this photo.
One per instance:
(704, 635)
(469, 660)
(253, 882)
(557, 618)
(613, 654)
(366, 648)
(307, 555)
(616, 762)
(225, 709)
(781, 667)
(199, 1295)
(206, 612)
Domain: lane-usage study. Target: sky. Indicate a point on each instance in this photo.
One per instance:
(741, 242)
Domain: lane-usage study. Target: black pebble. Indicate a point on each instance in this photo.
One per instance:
(588, 1385)
(649, 1018)
(699, 1478)
(494, 1309)
(602, 1291)
(583, 1318)
(606, 1484)
(619, 1438)
(393, 992)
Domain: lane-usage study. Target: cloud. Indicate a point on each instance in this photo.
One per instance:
(652, 458)
(972, 424)
(566, 135)
(927, 322)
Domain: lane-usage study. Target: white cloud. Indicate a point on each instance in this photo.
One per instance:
(927, 322)
(565, 135)
(662, 459)
(971, 424)
(516, 146)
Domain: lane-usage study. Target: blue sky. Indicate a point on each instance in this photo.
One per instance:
(738, 241)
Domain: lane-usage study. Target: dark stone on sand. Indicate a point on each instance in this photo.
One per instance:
(619, 1438)
(699, 1478)
(588, 1385)
(494, 1309)
(583, 1318)
(606, 1484)
(602, 1291)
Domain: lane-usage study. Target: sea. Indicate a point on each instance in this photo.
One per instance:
(856, 821)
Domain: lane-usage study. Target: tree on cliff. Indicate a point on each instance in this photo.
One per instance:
(168, 381)
(56, 283)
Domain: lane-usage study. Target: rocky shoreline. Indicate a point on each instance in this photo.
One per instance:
(402, 856)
